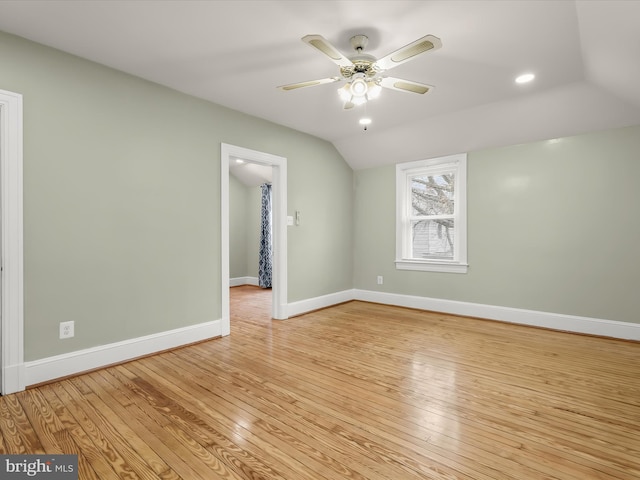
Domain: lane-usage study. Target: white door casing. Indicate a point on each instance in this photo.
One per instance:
(11, 290)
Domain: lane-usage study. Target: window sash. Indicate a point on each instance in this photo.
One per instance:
(405, 256)
(428, 171)
(430, 240)
(435, 194)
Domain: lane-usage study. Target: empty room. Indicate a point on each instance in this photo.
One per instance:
(319, 240)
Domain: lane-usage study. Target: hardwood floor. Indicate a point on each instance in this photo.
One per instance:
(356, 391)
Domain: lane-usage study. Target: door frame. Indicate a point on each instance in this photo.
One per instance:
(11, 239)
(279, 212)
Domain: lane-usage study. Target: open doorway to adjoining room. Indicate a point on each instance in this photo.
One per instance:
(278, 165)
(250, 238)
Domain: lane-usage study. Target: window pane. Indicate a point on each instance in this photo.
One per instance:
(433, 239)
(432, 194)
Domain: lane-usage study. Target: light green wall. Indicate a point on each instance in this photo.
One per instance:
(244, 228)
(122, 201)
(553, 226)
(238, 226)
(323, 193)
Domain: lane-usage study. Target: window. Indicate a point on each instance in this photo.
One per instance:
(431, 215)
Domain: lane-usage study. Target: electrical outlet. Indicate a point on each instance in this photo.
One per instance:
(66, 329)
(380, 280)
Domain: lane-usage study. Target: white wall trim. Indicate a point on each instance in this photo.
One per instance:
(51, 368)
(73, 363)
(534, 318)
(237, 281)
(555, 321)
(310, 304)
(12, 313)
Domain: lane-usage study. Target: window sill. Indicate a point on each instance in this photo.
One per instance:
(424, 266)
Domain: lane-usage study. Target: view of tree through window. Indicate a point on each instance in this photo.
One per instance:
(432, 216)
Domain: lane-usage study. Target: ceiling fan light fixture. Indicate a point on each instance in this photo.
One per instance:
(345, 93)
(359, 87)
(358, 100)
(373, 90)
(359, 91)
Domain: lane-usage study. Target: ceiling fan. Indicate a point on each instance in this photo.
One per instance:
(363, 72)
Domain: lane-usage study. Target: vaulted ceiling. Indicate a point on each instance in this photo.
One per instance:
(585, 55)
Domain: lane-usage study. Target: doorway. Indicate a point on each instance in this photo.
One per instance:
(250, 237)
(279, 212)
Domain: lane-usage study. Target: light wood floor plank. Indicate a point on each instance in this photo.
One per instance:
(248, 440)
(73, 439)
(358, 391)
(258, 405)
(342, 404)
(19, 437)
(304, 404)
(363, 395)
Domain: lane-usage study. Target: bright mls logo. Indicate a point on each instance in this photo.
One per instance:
(51, 467)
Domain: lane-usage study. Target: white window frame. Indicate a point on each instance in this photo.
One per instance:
(432, 166)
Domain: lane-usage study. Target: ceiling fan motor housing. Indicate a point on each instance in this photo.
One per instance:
(359, 42)
(362, 62)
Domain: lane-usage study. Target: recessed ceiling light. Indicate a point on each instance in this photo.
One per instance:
(525, 78)
(238, 160)
(364, 121)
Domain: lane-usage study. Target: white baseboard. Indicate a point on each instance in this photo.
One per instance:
(59, 366)
(534, 318)
(51, 368)
(236, 282)
(13, 378)
(310, 304)
(555, 321)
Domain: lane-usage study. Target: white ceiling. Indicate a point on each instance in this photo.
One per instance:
(251, 174)
(585, 54)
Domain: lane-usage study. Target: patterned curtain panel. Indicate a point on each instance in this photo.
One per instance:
(266, 247)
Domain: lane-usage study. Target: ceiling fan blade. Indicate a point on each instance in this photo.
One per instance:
(349, 105)
(404, 85)
(406, 53)
(321, 43)
(311, 83)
